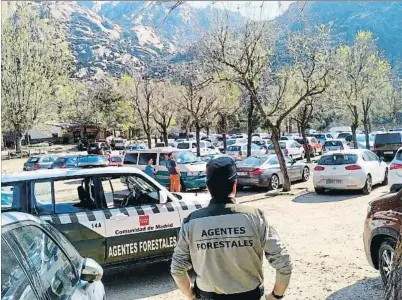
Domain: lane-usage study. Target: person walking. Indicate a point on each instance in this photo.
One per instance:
(225, 244)
(174, 174)
(149, 169)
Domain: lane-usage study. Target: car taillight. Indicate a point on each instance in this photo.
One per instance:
(353, 167)
(286, 152)
(36, 166)
(63, 166)
(395, 166)
(256, 172)
(319, 168)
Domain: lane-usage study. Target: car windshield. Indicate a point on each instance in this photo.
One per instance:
(183, 146)
(115, 159)
(333, 144)
(253, 161)
(230, 142)
(319, 136)
(388, 138)
(185, 157)
(337, 159)
(300, 141)
(343, 135)
(33, 159)
(234, 148)
(398, 155)
(119, 141)
(362, 138)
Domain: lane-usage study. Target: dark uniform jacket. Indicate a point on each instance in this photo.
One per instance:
(225, 245)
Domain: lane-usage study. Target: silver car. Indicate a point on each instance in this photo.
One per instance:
(46, 265)
(39, 162)
(264, 171)
(239, 151)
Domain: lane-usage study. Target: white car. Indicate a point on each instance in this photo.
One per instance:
(355, 169)
(236, 141)
(395, 171)
(289, 148)
(45, 262)
(206, 148)
(234, 151)
(335, 145)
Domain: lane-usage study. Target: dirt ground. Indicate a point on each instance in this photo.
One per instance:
(322, 233)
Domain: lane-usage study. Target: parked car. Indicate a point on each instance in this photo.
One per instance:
(289, 148)
(387, 144)
(210, 157)
(46, 265)
(192, 168)
(381, 232)
(260, 135)
(335, 145)
(259, 142)
(239, 151)
(361, 140)
(100, 148)
(395, 172)
(83, 144)
(241, 136)
(115, 160)
(39, 162)
(237, 141)
(101, 140)
(92, 161)
(264, 171)
(118, 144)
(287, 138)
(344, 135)
(205, 147)
(136, 147)
(314, 145)
(354, 169)
(65, 162)
(322, 137)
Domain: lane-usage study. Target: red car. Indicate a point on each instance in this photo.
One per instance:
(314, 145)
(115, 160)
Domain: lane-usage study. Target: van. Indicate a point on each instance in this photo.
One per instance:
(192, 168)
(387, 144)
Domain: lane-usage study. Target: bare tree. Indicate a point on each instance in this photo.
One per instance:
(303, 116)
(238, 55)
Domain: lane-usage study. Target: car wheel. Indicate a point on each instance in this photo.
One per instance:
(385, 258)
(385, 181)
(319, 191)
(368, 187)
(306, 174)
(274, 182)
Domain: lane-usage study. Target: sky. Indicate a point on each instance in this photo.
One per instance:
(252, 9)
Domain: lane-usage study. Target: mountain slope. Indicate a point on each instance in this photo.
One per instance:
(347, 18)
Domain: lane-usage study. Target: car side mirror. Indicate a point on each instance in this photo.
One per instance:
(91, 270)
(163, 197)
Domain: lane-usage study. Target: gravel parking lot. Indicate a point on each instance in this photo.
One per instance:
(323, 235)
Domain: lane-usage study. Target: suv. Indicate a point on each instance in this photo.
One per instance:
(83, 144)
(37, 262)
(100, 148)
(381, 232)
(387, 144)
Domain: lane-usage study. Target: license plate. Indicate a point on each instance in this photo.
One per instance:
(330, 181)
(242, 173)
(388, 152)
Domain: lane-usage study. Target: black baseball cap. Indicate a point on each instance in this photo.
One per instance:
(221, 169)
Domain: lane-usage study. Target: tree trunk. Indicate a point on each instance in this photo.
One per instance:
(165, 135)
(299, 129)
(290, 126)
(197, 137)
(149, 140)
(18, 138)
(354, 125)
(187, 133)
(306, 148)
(155, 139)
(250, 124)
(275, 141)
(369, 123)
(393, 290)
(224, 142)
(207, 130)
(366, 133)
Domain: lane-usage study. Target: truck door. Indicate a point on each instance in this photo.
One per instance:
(138, 226)
(72, 207)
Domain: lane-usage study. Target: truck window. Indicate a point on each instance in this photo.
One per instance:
(144, 157)
(388, 138)
(130, 158)
(41, 197)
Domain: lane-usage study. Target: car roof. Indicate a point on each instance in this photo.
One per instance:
(59, 173)
(8, 218)
(157, 150)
